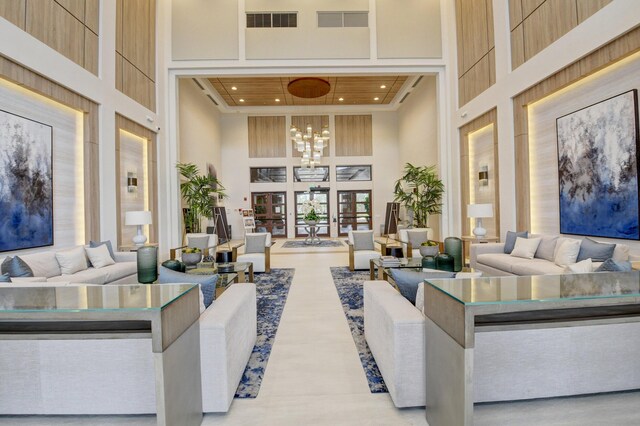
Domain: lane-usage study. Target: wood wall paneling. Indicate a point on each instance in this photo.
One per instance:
(317, 123)
(91, 51)
(38, 84)
(492, 67)
(353, 135)
(586, 8)
(14, 12)
(119, 12)
(490, 31)
(614, 51)
(474, 32)
(138, 86)
(550, 21)
(528, 6)
(267, 137)
(476, 80)
(92, 15)
(75, 7)
(515, 13)
(517, 46)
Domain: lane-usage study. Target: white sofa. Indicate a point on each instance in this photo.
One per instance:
(491, 259)
(508, 365)
(116, 376)
(45, 267)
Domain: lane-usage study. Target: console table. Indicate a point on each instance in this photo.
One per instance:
(167, 314)
(580, 312)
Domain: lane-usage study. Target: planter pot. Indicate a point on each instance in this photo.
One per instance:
(310, 222)
(191, 258)
(429, 250)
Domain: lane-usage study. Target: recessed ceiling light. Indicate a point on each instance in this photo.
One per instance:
(341, 99)
(241, 100)
(277, 100)
(234, 88)
(383, 87)
(376, 98)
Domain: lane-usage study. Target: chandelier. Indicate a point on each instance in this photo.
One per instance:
(311, 144)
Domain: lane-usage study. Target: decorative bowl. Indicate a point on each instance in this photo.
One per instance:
(429, 250)
(191, 258)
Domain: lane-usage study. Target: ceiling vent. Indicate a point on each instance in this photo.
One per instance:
(405, 97)
(417, 82)
(195, 80)
(212, 100)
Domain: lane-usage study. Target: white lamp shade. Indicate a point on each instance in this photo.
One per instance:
(480, 210)
(138, 218)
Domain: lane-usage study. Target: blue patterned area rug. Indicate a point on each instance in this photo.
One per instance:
(302, 244)
(349, 286)
(272, 290)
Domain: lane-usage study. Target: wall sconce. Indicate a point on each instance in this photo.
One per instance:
(483, 176)
(132, 182)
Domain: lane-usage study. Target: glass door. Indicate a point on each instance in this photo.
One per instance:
(323, 215)
(270, 210)
(354, 211)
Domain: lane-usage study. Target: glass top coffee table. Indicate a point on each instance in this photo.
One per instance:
(384, 271)
(229, 273)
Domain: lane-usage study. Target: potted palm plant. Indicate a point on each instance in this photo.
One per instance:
(199, 193)
(420, 190)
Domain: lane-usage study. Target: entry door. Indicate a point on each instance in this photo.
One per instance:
(323, 214)
(354, 211)
(270, 210)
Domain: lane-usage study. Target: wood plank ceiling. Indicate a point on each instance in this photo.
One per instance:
(272, 91)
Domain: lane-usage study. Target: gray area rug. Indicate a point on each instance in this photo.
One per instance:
(302, 244)
(272, 289)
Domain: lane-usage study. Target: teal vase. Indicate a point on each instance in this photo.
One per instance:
(453, 247)
(429, 262)
(147, 264)
(444, 262)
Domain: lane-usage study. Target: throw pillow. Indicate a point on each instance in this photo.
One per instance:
(611, 265)
(94, 244)
(417, 237)
(199, 241)
(525, 247)
(566, 251)
(72, 260)
(581, 267)
(597, 252)
(5, 278)
(99, 256)
(621, 253)
(547, 247)
(363, 240)
(255, 243)
(510, 241)
(16, 267)
(207, 282)
(407, 281)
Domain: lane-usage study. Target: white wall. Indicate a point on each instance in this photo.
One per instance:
(234, 171)
(418, 135)
(543, 153)
(68, 160)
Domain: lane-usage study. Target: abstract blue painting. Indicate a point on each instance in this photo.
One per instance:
(598, 170)
(26, 183)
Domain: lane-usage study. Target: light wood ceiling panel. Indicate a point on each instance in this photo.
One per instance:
(263, 91)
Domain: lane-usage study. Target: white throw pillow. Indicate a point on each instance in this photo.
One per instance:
(72, 260)
(525, 247)
(583, 267)
(567, 251)
(99, 256)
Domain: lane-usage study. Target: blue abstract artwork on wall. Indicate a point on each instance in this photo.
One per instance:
(598, 170)
(26, 183)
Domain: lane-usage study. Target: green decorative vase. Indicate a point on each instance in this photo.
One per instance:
(444, 262)
(429, 262)
(453, 247)
(147, 264)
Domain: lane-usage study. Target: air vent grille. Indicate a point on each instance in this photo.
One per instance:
(195, 80)
(417, 81)
(343, 19)
(212, 100)
(272, 20)
(405, 97)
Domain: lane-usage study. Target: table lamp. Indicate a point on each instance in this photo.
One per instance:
(138, 218)
(478, 211)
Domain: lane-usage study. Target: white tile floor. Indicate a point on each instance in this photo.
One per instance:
(314, 375)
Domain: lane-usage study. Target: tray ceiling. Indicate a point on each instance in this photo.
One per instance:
(263, 91)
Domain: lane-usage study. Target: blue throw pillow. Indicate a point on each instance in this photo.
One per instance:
(407, 281)
(207, 282)
(510, 241)
(597, 252)
(94, 244)
(5, 278)
(611, 265)
(16, 267)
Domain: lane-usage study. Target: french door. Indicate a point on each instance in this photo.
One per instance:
(323, 214)
(270, 210)
(354, 211)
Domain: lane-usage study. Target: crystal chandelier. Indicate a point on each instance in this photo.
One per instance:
(311, 144)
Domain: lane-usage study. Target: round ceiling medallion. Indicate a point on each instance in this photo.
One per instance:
(309, 87)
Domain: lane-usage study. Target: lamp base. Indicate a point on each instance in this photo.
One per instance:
(479, 231)
(140, 238)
